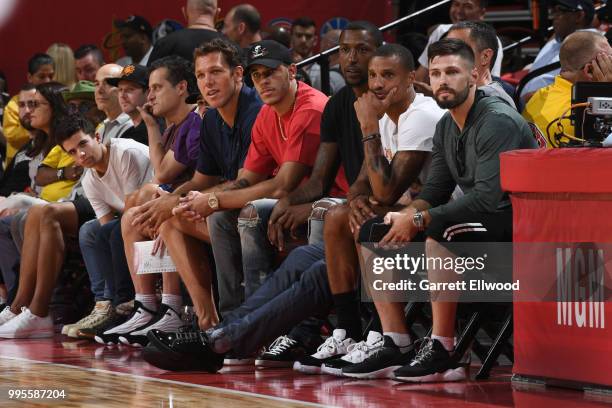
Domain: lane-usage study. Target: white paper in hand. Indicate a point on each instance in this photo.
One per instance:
(147, 263)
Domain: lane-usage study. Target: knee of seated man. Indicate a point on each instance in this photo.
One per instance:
(168, 226)
(336, 219)
(249, 213)
(145, 193)
(320, 209)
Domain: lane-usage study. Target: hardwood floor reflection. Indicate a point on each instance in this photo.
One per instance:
(95, 388)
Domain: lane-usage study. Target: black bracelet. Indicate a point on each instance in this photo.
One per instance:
(371, 136)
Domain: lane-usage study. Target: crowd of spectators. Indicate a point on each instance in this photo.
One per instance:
(216, 149)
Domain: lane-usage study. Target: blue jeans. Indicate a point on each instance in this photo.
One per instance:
(87, 242)
(297, 290)
(317, 217)
(110, 255)
(242, 252)
(9, 258)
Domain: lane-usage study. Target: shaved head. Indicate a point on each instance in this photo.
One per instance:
(203, 6)
(109, 71)
(580, 48)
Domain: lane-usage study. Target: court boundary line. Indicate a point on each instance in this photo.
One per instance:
(173, 382)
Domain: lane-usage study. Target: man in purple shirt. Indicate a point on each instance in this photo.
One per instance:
(174, 155)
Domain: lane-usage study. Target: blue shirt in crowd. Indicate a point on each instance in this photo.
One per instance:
(222, 148)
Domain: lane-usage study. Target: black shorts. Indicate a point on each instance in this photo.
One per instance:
(85, 211)
(472, 227)
(468, 227)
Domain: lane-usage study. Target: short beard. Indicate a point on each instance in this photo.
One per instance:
(459, 98)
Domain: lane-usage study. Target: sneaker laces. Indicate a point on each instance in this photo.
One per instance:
(280, 345)
(189, 337)
(96, 313)
(425, 351)
(361, 347)
(6, 311)
(331, 344)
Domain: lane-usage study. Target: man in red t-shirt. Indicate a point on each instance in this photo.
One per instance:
(284, 143)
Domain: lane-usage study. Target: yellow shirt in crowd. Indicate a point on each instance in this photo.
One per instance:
(16, 135)
(546, 105)
(56, 159)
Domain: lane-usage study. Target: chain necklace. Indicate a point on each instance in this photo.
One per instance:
(280, 124)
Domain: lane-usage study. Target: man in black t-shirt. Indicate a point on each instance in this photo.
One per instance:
(341, 144)
(200, 16)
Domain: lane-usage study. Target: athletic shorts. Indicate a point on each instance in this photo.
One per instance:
(467, 227)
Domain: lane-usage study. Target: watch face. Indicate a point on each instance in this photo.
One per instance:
(213, 202)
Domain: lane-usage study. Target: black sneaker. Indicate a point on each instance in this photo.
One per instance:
(431, 363)
(356, 353)
(334, 347)
(166, 319)
(382, 362)
(283, 352)
(181, 351)
(140, 317)
(91, 332)
(232, 360)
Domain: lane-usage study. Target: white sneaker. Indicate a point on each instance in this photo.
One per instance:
(167, 320)
(141, 316)
(100, 314)
(356, 353)
(334, 347)
(27, 326)
(6, 315)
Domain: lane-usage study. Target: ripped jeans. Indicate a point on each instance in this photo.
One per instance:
(239, 240)
(317, 217)
(243, 254)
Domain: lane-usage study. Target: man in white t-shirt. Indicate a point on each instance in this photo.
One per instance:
(114, 170)
(397, 124)
(461, 10)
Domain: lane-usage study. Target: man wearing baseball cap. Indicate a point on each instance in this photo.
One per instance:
(136, 38)
(284, 142)
(133, 85)
(567, 17)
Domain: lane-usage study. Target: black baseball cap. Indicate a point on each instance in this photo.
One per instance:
(578, 5)
(268, 53)
(133, 73)
(136, 23)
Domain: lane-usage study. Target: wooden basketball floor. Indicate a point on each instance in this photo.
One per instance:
(96, 376)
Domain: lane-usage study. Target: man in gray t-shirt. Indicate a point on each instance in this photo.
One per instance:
(466, 147)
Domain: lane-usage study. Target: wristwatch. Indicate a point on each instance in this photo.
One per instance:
(61, 174)
(418, 220)
(213, 201)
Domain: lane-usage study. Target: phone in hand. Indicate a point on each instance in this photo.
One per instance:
(378, 231)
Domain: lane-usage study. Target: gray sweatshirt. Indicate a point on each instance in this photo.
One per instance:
(470, 158)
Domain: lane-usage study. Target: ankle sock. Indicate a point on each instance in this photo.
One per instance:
(174, 301)
(149, 301)
(447, 342)
(400, 339)
(347, 311)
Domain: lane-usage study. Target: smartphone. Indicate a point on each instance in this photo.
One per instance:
(378, 231)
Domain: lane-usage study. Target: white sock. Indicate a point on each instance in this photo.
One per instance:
(174, 301)
(400, 339)
(447, 342)
(2, 300)
(148, 301)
